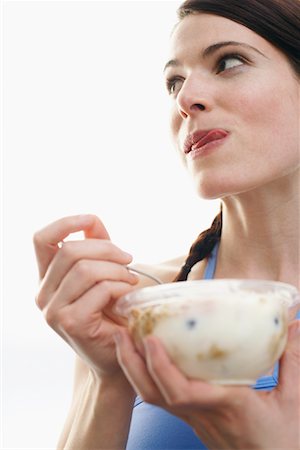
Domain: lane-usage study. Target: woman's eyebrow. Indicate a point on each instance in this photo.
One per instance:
(213, 48)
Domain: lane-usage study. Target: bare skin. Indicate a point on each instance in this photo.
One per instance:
(254, 98)
(255, 172)
(80, 280)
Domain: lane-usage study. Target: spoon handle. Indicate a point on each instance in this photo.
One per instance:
(140, 272)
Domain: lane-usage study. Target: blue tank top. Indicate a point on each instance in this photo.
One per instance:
(153, 428)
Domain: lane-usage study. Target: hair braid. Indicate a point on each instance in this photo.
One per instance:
(202, 247)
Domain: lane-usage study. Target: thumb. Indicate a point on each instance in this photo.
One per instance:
(289, 368)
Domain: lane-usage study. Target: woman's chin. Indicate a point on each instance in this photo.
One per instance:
(211, 188)
(211, 191)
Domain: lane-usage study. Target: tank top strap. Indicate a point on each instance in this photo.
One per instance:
(210, 268)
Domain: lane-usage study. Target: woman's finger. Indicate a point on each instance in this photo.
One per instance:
(101, 297)
(177, 389)
(73, 251)
(135, 369)
(47, 239)
(289, 369)
(82, 319)
(83, 276)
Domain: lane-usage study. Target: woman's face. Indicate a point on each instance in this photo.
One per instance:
(235, 106)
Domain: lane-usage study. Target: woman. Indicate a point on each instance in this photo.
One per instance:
(233, 77)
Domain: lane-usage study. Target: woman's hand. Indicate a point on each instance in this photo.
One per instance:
(79, 280)
(222, 417)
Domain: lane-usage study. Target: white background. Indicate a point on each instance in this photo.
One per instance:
(84, 130)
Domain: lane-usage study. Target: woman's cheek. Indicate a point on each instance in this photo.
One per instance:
(265, 102)
(175, 123)
(177, 133)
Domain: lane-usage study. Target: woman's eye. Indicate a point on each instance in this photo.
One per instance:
(229, 62)
(173, 85)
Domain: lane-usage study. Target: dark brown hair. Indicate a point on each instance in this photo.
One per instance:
(278, 21)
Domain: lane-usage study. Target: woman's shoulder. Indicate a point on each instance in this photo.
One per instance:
(164, 271)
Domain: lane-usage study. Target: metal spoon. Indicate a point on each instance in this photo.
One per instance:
(140, 272)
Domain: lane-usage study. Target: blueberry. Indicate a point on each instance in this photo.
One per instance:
(191, 323)
(276, 321)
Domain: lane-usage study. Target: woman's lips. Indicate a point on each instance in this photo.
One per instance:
(200, 140)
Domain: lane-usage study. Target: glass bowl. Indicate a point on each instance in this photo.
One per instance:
(225, 331)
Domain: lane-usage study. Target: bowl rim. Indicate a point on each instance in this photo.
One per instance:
(165, 293)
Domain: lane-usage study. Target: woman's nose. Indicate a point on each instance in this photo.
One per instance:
(192, 100)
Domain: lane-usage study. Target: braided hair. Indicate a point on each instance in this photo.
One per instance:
(202, 247)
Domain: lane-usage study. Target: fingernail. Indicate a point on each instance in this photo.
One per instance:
(149, 346)
(135, 278)
(128, 255)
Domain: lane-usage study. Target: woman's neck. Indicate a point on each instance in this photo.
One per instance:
(260, 234)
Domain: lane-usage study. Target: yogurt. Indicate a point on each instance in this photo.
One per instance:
(221, 331)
